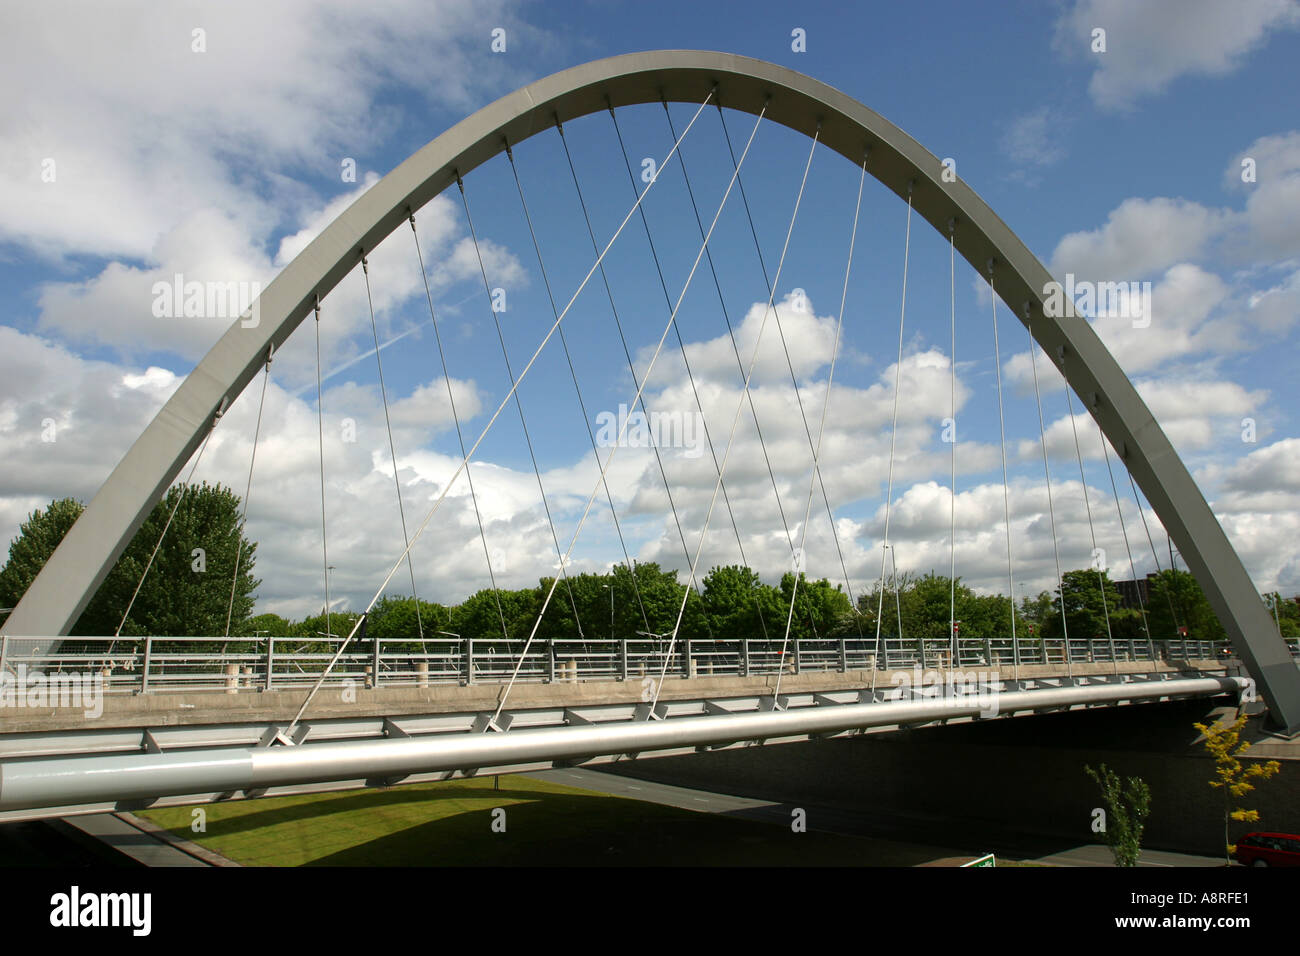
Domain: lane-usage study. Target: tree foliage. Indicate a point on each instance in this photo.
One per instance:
(1093, 609)
(187, 590)
(1177, 601)
(1127, 808)
(1286, 614)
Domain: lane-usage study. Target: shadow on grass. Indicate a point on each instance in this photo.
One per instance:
(545, 825)
(257, 815)
(568, 830)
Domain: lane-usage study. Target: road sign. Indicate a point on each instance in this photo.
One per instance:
(987, 859)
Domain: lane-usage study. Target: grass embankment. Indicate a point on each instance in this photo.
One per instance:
(450, 824)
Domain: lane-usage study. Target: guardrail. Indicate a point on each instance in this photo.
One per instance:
(153, 664)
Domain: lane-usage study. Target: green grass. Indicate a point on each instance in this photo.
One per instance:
(450, 824)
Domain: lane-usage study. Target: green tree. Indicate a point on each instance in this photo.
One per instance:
(187, 590)
(1177, 601)
(268, 624)
(1036, 612)
(1089, 608)
(1127, 810)
(394, 619)
(1286, 614)
(734, 598)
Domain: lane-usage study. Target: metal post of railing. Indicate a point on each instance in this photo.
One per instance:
(844, 655)
(744, 657)
(467, 652)
(374, 662)
(686, 657)
(622, 659)
(550, 662)
(270, 659)
(797, 658)
(148, 655)
(4, 650)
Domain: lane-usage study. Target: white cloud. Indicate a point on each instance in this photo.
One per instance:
(1151, 44)
(1140, 238)
(1033, 139)
(1266, 228)
(146, 133)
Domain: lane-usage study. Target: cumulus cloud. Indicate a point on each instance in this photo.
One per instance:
(1140, 237)
(1033, 142)
(1150, 45)
(163, 132)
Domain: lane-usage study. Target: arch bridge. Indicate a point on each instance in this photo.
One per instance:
(93, 768)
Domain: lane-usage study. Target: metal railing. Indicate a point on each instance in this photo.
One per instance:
(146, 665)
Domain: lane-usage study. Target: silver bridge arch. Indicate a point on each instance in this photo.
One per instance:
(63, 588)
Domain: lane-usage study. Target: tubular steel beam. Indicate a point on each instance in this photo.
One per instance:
(58, 782)
(87, 553)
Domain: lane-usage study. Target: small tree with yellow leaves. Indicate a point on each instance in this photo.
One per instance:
(1232, 776)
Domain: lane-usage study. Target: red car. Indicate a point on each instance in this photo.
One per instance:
(1269, 849)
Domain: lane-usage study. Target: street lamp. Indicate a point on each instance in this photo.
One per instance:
(1272, 602)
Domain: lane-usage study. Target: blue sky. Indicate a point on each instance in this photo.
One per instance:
(221, 164)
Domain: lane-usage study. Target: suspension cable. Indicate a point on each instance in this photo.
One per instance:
(821, 428)
(519, 405)
(758, 249)
(681, 344)
(740, 367)
(740, 404)
(952, 500)
(248, 488)
(1105, 449)
(460, 438)
(1006, 494)
(1051, 511)
(172, 514)
(1101, 575)
(582, 405)
(623, 429)
(1155, 555)
(627, 353)
(492, 723)
(442, 496)
(893, 434)
(392, 449)
(320, 433)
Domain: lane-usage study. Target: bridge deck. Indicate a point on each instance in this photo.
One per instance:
(211, 707)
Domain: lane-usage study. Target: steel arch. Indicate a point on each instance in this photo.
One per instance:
(70, 578)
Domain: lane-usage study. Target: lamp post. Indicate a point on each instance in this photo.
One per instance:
(1272, 601)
